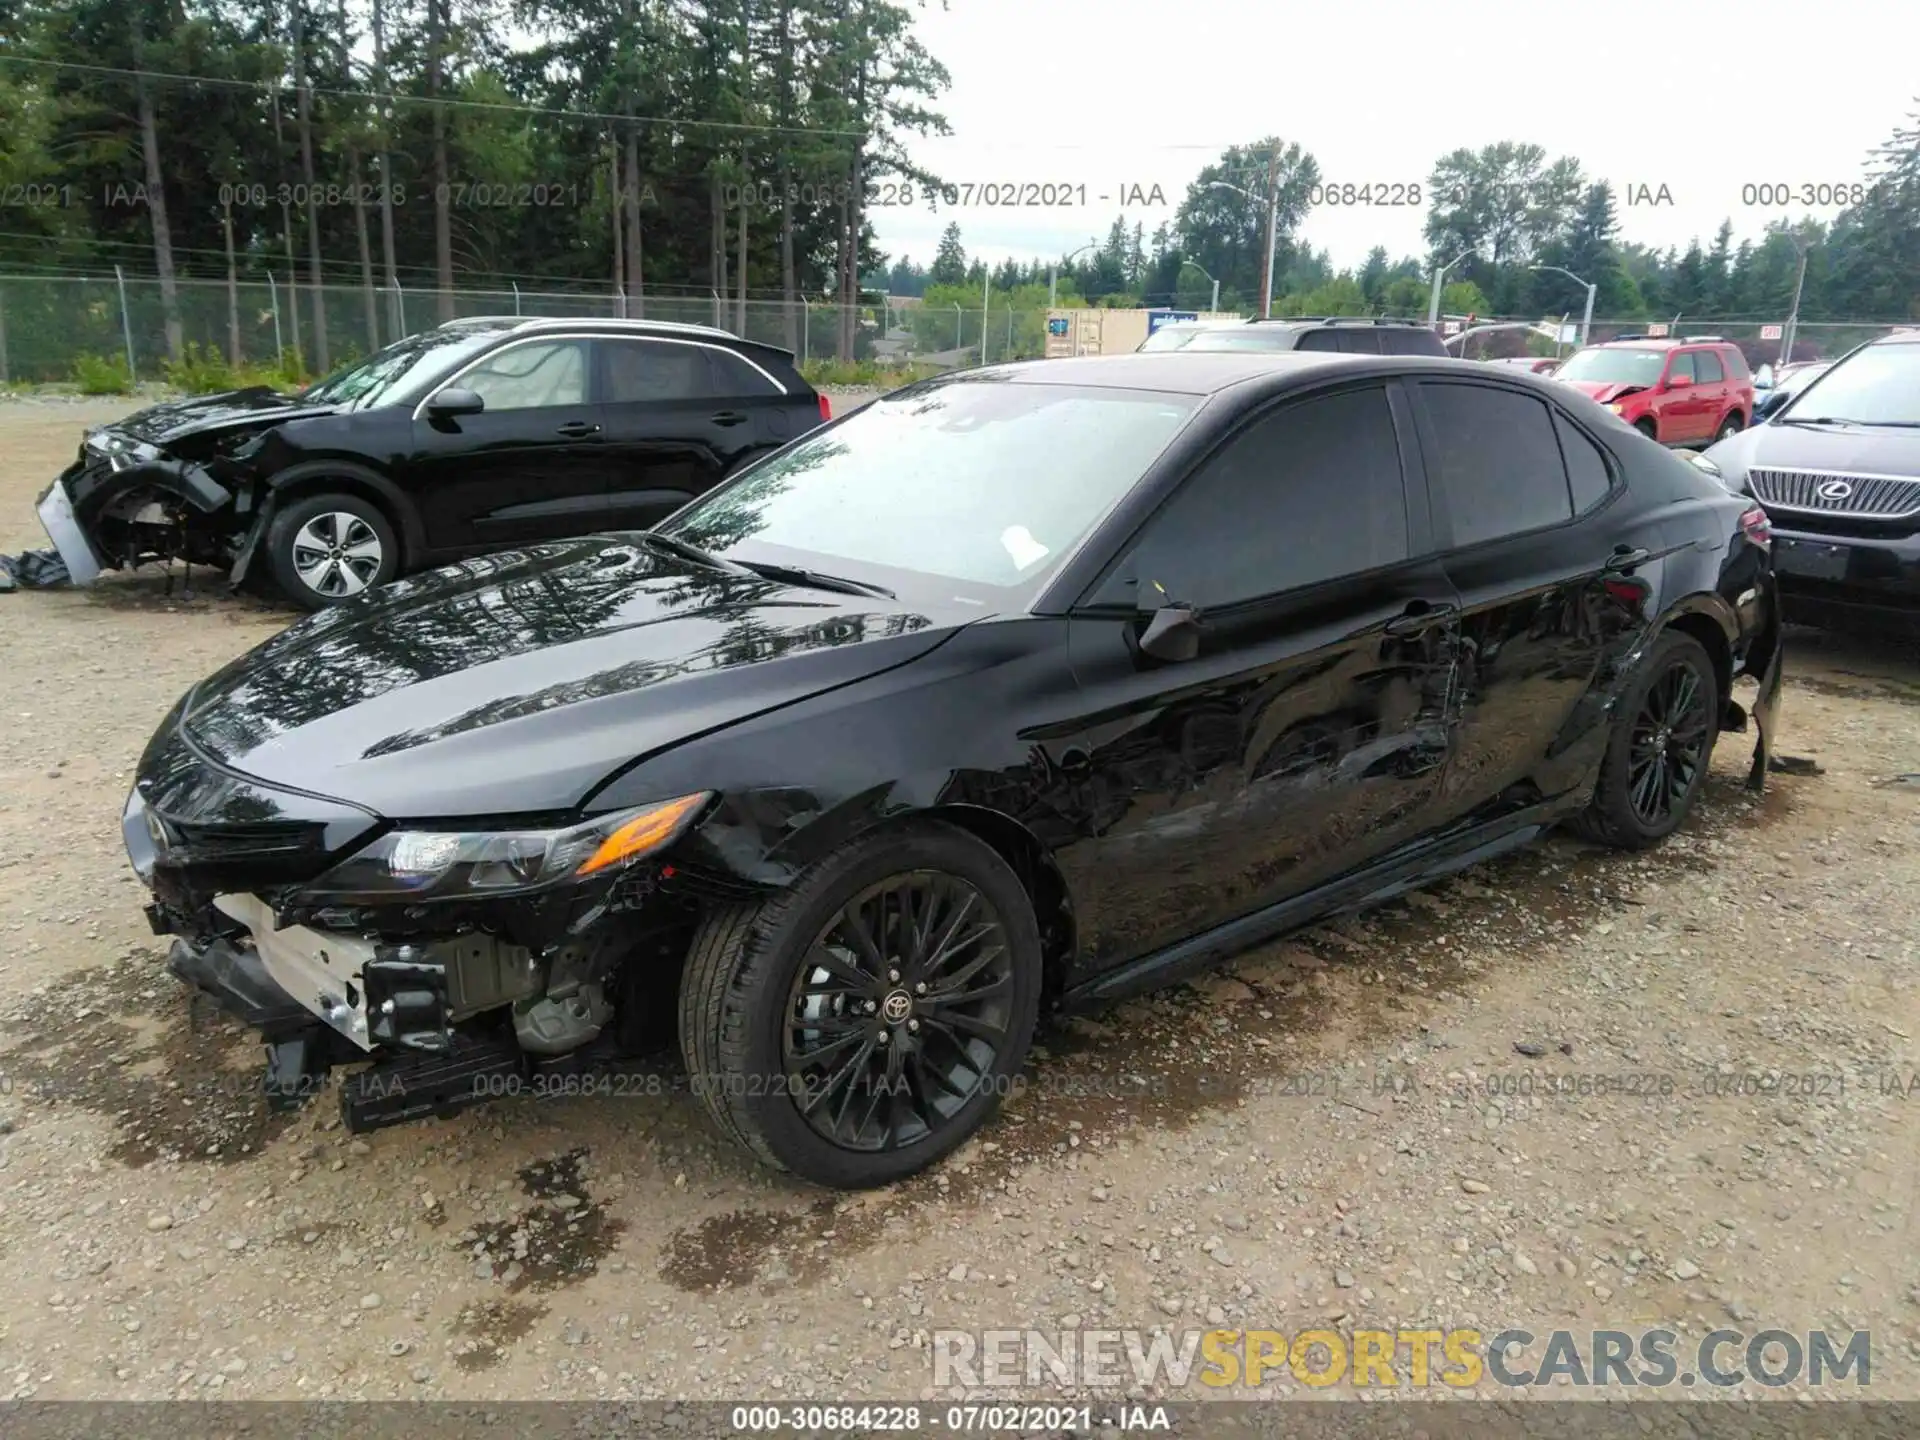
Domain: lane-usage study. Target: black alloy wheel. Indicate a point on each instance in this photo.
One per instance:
(860, 1024)
(898, 1012)
(1669, 740)
(1659, 746)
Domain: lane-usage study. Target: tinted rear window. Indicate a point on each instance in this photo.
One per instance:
(1411, 341)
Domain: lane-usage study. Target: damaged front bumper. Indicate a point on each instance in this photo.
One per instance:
(97, 508)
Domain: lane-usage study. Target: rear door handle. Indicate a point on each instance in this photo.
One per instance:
(1623, 560)
(1420, 614)
(578, 429)
(730, 417)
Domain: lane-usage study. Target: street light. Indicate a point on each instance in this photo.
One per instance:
(1273, 227)
(1433, 300)
(1053, 273)
(1216, 284)
(1586, 324)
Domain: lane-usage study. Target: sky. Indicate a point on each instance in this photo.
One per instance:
(1114, 97)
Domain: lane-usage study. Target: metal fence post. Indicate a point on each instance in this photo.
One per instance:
(279, 347)
(1009, 354)
(959, 325)
(3, 335)
(516, 295)
(400, 303)
(806, 329)
(126, 325)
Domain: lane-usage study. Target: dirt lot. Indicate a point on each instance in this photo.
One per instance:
(1341, 1131)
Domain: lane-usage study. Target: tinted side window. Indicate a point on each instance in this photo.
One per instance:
(1682, 367)
(1587, 473)
(1499, 463)
(1305, 494)
(1411, 342)
(525, 377)
(652, 370)
(1706, 365)
(1318, 340)
(734, 376)
(1360, 342)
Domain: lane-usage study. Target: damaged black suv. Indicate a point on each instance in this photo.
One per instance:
(480, 434)
(1022, 689)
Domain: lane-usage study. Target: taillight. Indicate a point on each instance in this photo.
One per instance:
(826, 410)
(1757, 528)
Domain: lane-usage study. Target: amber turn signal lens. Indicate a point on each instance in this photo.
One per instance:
(648, 830)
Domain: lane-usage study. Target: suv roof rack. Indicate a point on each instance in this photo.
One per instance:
(1335, 320)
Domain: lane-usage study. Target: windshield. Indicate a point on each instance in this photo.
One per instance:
(984, 481)
(1170, 337)
(1877, 385)
(1601, 366)
(392, 372)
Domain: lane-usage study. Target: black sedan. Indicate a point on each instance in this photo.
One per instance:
(1016, 691)
(481, 434)
(1838, 469)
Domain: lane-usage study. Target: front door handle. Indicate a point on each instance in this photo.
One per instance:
(1420, 614)
(1625, 558)
(578, 429)
(730, 417)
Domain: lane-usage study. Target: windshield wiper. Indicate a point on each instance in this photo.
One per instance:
(673, 545)
(793, 575)
(1817, 420)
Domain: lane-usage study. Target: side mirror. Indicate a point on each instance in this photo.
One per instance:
(1172, 634)
(1675, 382)
(455, 401)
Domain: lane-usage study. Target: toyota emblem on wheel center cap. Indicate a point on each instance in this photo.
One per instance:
(897, 1006)
(1834, 490)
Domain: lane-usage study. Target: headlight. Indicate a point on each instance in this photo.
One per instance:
(1617, 407)
(475, 864)
(1707, 465)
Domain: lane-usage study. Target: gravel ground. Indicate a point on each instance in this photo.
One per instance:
(1321, 1135)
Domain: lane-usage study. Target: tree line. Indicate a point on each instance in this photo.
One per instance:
(1506, 208)
(657, 147)
(727, 149)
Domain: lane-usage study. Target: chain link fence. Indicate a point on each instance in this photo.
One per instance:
(51, 325)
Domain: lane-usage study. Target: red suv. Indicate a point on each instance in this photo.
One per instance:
(1679, 392)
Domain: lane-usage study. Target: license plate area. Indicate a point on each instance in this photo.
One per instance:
(1813, 559)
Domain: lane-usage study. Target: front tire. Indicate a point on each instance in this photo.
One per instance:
(1660, 747)
(1729, 427)
(859, 1026)
(1647, 428)
(323, 549)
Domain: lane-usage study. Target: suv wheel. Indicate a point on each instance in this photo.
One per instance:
(330, 547)
(1730, 426)
(860, 1025)
(1647, 428)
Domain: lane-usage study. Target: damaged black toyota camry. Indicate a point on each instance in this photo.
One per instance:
(1017, 691)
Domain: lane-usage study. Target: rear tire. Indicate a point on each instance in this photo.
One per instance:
(1659, 749)
(922, 934)
(1729, 427)
(326, 548)
(1647, 428)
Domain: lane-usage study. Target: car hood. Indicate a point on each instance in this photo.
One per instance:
(1605, 391)
(518, 683)
(204, 414)
(1845, 449)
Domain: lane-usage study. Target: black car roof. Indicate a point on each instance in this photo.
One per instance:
(611, 325)
(1184, 372)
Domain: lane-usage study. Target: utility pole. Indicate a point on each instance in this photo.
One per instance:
(1273, 228)
(1793, 312)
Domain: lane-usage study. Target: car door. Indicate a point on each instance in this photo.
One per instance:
(1710, 378)
(1308, 734)
(1520, 497)
(679, 415)
(1682, 403)
(530, 466)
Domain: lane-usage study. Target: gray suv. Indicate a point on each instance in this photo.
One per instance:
(1343, 334)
